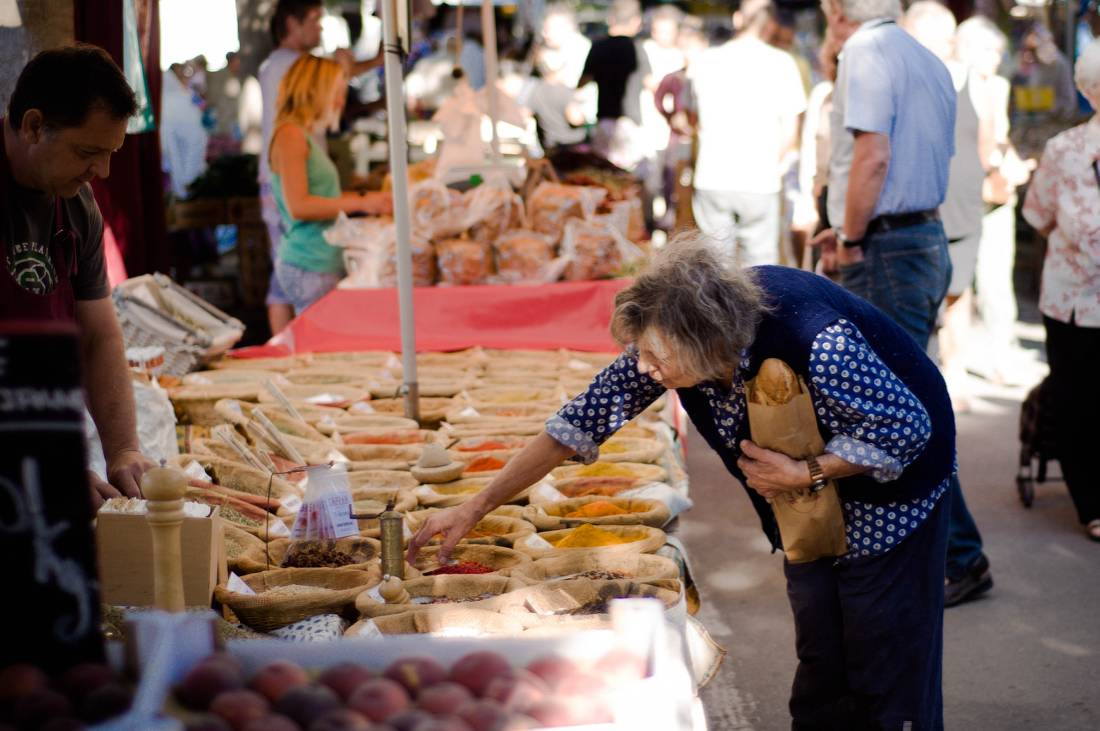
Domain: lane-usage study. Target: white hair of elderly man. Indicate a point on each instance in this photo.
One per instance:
(860, 11)
(1086, 72)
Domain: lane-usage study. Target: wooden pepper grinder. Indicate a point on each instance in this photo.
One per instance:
(164, 489)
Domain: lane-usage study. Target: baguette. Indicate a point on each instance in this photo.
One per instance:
(776, 383)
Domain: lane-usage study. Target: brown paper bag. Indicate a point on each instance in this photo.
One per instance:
(811, 524)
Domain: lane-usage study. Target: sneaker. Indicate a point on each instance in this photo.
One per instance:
(976, 581)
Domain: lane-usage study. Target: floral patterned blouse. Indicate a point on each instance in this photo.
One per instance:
(1064, 194)
(876, 420)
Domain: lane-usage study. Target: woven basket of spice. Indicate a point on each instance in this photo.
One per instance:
(543, 603)
(332, 395)
(357, 422)
(323, 375)
(244, 552)
(381, 480)
(454, 590)
(244, 376)
(631, 449)
(641, 568)
(578, 487)
(239, 413)
(469, 558)
(448, 494)
(432, 409)
(196, 404)
(241, 477)
(635, 470)
(492, 530)
(598, 510)
(399, 452)
(440, 622)
(284, 596)
(276, 365)
(355, 552)
(611, 539)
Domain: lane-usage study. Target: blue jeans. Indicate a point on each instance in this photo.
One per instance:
(905, 273)
(303, 287)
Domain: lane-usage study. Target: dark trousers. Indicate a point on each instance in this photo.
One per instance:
(1075, 390)
(905, 273)
(869, 636)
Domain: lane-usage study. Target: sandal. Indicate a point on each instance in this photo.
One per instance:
(1092, 530)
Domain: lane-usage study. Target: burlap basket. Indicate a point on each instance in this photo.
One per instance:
(374, 505)
(364, 552)
(492, 530)
(238, 413)
(386, 436)
(577, 487)
(647, 540)
(381, 480)
(555, 516)
(441, 622)
(509, 380)
(227, 376)
(357, 422)
(468, 358)
(494, 427)
(461, 590)
(382, 388)
(449, 494)
(387, 465)
(641, 568)
(490, 443)
(241, 477)
(195, 404)
(498, 558)
(366, 452)
(335, 592)
(645, 472)
(432, 409)
(244, 552)
(217, 448)
(467, 413)
(335, 395)
(275, 365)
(512, 396)
(366, 358)
(323, 375)
(630, 449)
(532, 605)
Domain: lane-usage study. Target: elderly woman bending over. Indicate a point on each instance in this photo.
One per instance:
(869, 625)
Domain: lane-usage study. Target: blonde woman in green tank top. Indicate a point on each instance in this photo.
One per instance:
(305, 181)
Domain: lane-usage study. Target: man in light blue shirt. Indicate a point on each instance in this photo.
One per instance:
(893, 119)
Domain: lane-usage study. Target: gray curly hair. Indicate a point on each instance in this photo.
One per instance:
(694, 298)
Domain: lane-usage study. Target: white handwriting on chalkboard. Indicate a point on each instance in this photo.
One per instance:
(49, 568)
(41, 399)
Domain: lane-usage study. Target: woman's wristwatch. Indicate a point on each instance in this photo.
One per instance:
(817, 475)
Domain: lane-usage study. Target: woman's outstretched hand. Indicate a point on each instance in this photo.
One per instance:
(453, 524)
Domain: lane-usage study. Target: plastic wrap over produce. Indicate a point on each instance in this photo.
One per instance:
(370, 253)
(156, 424)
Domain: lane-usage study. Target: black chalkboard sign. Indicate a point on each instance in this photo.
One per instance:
(50, 609)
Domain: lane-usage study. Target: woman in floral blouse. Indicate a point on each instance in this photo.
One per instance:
(1063, 204)
(869, 625)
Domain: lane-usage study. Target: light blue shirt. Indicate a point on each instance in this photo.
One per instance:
(888, 83)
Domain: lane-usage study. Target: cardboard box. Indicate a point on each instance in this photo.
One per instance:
(124, 543)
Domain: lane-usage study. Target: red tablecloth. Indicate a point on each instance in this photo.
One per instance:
(571, 315)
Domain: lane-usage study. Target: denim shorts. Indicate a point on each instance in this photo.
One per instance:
(303, 287)
(905, 273)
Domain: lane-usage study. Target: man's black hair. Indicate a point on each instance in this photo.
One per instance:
(66, 83)
(286, 9)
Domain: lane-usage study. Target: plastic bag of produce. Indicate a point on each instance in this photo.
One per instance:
(492, 210)
(370, 257)
(553, 204)
(523, 256)
(595, 250)
(325, 515)
(463, 262)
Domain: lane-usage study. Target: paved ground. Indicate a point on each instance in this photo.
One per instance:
(1023, 658)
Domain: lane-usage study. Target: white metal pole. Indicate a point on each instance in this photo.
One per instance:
(399, 170)
(489, 39)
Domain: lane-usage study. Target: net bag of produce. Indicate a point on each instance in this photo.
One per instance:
(523, 256)
(553, 204)
(325, 515)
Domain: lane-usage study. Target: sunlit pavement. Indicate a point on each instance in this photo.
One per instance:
(1024, 657)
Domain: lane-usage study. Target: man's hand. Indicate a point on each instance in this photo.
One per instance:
(770, 473)
(847, 255)
(124, 471)
(827, 241)
(101, 491)
(453, 524)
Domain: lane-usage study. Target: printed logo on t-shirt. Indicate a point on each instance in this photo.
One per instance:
(32, 267)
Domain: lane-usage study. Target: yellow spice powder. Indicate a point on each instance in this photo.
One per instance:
(589, 536)
(597, 509)
(604, 469)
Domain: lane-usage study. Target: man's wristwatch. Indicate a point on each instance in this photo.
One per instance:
(817, 475)
(846, 242)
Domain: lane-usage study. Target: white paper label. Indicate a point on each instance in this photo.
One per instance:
(237, 586)
(536, 541)
(277, 528)
(195, 471)
(544, 492)
(334, 456)
(292, 503)
(370, 630)
(362, 407)
(325, 398)
(469, 412)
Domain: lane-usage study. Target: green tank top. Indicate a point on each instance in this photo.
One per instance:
(304, 244)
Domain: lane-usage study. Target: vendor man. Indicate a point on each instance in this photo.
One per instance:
(66, 117)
